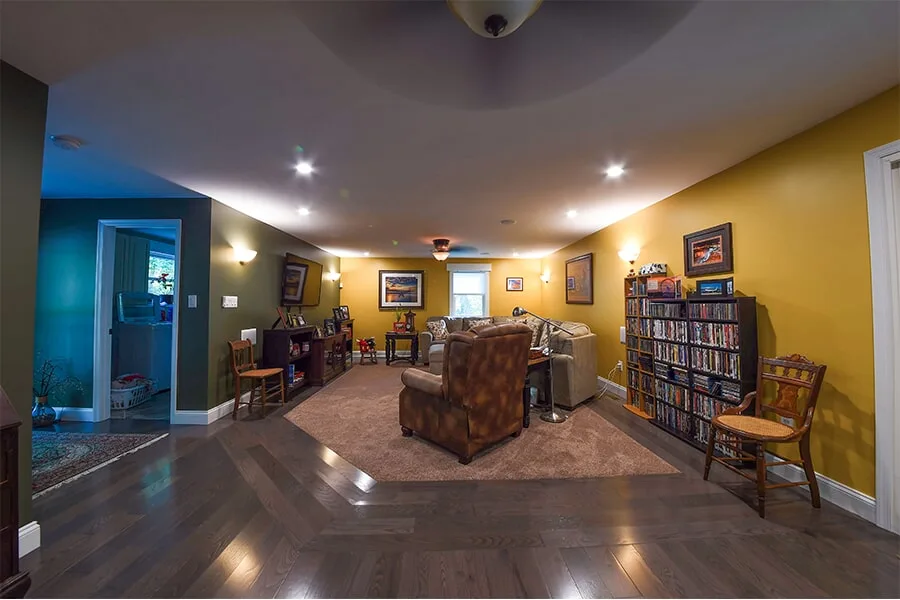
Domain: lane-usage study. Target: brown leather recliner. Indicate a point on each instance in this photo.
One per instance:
(477, 400)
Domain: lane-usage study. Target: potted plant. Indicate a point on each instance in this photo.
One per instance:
(48, 379)
(399, 323)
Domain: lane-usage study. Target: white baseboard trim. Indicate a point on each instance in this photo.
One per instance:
(29, 538)
(205, 417)
(833, 491)
(378, 353)
(70, 413)
(613, 388)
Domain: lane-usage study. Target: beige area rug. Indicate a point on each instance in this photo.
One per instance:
(357, 417)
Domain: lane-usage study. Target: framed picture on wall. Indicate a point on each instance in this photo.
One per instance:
(345, 312)
(708, 251)
(580, 279)
(401, 289)
(515, 284)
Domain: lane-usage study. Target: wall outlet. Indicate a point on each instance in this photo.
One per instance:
(619, 365)
(621, 335)
(229, 301)
(192, 301)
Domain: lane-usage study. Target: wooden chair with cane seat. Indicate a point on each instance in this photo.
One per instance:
(796, 381)
(244, 367)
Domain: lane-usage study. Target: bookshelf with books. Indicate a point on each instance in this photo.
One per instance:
(705, 358)
(640, 392)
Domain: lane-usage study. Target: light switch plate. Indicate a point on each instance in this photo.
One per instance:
(621, 335)
(249, 334)
(192, 301)
(229, 301)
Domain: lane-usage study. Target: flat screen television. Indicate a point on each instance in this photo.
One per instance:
(301, 282)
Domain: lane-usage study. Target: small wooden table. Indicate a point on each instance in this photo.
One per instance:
(390, 346)
(535, 365)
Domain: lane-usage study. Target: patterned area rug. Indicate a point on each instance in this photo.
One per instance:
(357, 417)
(60, 457)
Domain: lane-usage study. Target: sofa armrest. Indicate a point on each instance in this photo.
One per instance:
(422, 381)
(425, 339)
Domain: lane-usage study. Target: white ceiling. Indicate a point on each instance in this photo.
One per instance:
(419, 128)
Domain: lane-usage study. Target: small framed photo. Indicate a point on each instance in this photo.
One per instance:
(338, 313)
(515, 284)
(345, 312)
(329, 327)
(300, 320)
(716, 287)
(319, 332)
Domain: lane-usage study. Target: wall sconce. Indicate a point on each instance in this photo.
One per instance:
(545, 276)
(243, 255)
(630, 254)
(333, 275)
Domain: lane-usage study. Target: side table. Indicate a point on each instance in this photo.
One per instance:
(535, 365)
(390, 346)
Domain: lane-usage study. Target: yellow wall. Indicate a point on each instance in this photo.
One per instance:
(360, 292)
(800, 246)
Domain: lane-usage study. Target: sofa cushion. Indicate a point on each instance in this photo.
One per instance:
(454, 324)
(473, 323)
(438, 329)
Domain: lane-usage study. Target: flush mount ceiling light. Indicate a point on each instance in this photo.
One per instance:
(572, 214)
(66, 142)
(366, 253)
(304, 212)
(304, 168)
(615, 171)
(441, 251)
(494, 18)
(507, 221)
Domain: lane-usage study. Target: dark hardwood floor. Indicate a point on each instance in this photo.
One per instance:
(258, 508)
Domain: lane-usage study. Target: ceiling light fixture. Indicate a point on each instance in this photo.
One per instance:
(572, 214)
(630, 254)
(304, 212)
(615, 171)
(304, 168)
(493, 18)
(507, 221)
(515, 254)
(366, 253)
(441, 251)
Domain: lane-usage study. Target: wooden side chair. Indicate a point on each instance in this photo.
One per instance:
(796, 382)
(244, 367)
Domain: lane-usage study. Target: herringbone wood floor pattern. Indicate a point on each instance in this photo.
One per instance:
(258, 508)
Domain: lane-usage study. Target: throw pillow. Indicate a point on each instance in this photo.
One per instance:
(473, 323)
(438, 329)
(536, 328)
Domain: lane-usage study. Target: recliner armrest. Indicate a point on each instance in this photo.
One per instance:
(428, 383)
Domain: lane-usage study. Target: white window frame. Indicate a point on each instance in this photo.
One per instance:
(472, 268)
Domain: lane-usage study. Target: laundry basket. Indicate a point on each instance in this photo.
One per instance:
(127, 391)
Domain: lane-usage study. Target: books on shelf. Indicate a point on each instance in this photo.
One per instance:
(722, 335)
(646, 346)
(672, 331)
(644, 307)
(720, 311)
(672, 394)
(632, 357)
(716, 362)
(631, 342)
(669, 310)
(676, 354)
(674, 419)
(631, 325)
(631, 306)
(645, 327)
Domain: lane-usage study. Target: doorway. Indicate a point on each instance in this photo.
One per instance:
(136, 321)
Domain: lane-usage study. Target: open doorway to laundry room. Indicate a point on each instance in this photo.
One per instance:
(136, 322)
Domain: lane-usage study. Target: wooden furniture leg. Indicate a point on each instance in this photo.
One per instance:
(237, 398)
(262, 389)
(810, 472)
(710, 448)
(526, 404)
(761, 478)
(282, 388)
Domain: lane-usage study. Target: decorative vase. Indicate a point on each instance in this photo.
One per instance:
(42, 415)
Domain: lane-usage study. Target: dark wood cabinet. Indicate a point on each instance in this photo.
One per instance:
(13, 583)
(283, 348)
(330, 358)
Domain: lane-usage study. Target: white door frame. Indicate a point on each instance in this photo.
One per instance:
(884, 248)
(103, 308)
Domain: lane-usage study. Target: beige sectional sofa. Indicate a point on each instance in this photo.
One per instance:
(574, 359)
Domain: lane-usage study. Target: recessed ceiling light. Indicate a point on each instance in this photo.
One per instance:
(303, 212)
(515, 253)
(507, 221)
(615, 171)
(572, 214)
(304, 168)
(366, 253)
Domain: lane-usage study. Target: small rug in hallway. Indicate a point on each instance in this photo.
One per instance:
(357, 417)
(59, 457)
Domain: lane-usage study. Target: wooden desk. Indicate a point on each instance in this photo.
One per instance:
(535, 365)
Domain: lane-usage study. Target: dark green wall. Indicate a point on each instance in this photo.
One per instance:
(257, 285)
(64, 323)
(23, 116)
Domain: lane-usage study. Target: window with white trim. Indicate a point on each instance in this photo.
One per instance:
(160, 264)
(469, 294)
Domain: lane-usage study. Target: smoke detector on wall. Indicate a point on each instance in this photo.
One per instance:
(66, 142)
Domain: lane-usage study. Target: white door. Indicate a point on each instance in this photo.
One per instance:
(894, 197)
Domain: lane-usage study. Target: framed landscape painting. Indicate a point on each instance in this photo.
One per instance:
(515, 284)
(708, 251)
(401, 289)
(580, 279)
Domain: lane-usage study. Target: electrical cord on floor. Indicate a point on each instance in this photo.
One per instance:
(608, 382)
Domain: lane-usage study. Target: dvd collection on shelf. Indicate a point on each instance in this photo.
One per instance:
(704, 359)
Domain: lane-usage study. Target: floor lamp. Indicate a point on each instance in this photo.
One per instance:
(551, 416)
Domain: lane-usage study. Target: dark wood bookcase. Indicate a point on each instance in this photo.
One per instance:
(704, 361)
(277, 352)
(640, 394)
